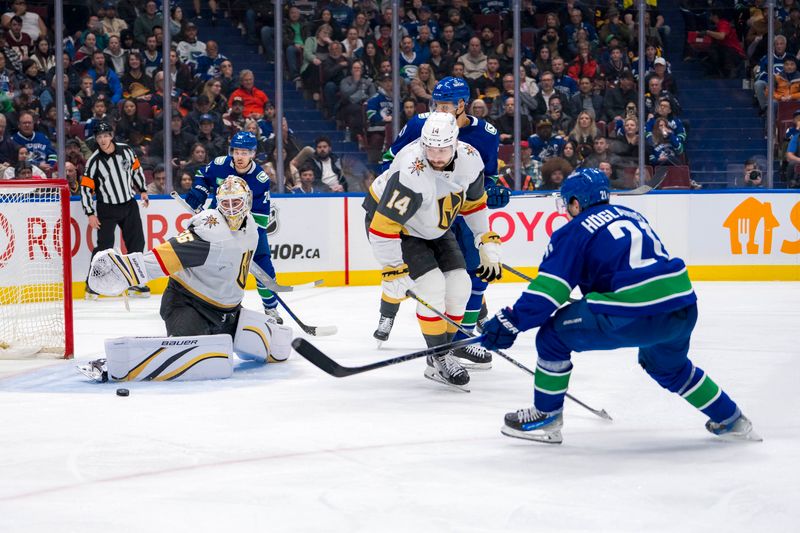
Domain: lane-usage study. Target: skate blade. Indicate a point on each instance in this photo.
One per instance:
(380, 343)
(433, 376)
(472, 365)
(554, 437)
(750, 436)
(134, 294)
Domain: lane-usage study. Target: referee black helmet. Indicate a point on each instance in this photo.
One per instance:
(103, 127)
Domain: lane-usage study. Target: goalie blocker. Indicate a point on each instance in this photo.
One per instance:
(189, 358)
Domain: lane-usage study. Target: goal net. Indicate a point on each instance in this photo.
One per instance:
(35, 277)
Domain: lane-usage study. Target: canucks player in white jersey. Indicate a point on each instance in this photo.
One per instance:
(410, 210)
(635, 295)
(451, 95)
(207, 265)
(240, 163)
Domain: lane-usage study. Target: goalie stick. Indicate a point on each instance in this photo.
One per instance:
(316, 331)
(329, 366)
(257, 271)
(599, 412)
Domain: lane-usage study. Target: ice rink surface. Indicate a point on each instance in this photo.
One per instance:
(288, 448)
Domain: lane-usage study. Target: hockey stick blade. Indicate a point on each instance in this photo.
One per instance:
(599, 412)
(257, 271)
(329, 366)
(316, 331)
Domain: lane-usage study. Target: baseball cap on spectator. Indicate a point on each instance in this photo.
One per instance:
(524, 144)
(544, 122)
(610, 38)
(384, 77)
(237, 100)
(425, 8)
(109, 5)
(660, 61)
(205, 117)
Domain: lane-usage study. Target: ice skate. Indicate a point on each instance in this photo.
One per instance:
(447, 370)
(272, 312)
(739, 429)
(531, 424)
(385, 324)
(95, 370)
(474, 357)
(139, 291)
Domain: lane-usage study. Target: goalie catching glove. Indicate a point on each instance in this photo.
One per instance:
(490, 268)
(112, 273)
(396, 281)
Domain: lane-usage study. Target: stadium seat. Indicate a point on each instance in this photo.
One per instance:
(77, 129)
(506, 153)
(677, 177)
(493, 20)
(144, 110)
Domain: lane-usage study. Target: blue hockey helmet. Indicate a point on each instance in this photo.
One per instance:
(451, 89)
(589, 186)
(244, 140)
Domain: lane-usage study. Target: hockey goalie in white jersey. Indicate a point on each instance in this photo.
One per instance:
(410, 210)
(207, 267)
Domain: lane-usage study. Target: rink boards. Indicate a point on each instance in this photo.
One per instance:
(724, 236)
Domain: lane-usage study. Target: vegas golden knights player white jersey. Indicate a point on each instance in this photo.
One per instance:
(208, 259)
(411, 198)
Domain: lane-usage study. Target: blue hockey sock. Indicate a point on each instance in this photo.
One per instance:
(550, 385)
(705, 395)
(267, 298)
(473, 306)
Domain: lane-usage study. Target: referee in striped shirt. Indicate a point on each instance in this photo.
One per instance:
(112, 172)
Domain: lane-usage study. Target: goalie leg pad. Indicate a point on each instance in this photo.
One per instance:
(259, 338)
(169, 358)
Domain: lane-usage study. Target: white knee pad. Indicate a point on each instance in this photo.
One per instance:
(431, 288)
(458, 289)
(259, 338)
(169, 358)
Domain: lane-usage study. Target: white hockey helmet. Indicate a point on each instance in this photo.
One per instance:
(234, 200)
(439, 138)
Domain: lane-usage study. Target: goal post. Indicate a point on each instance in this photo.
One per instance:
(35, 269)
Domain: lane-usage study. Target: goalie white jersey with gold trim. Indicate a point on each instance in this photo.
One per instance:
(208, 259)
(411, 198)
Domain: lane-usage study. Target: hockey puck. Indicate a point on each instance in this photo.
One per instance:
(123, 392)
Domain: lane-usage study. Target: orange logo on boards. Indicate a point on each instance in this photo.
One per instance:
(750, 227)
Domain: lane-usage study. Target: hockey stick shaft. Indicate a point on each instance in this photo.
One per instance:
(328, 365)
(257, 271)
(599, 412)
(316, 331)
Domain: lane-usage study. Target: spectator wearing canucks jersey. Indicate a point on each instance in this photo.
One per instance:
(380, 106)
(190, 49)
(665, 147)
(561, 81)
(664, 110)
(762, 78)
(208, 65)
(39, 146)
(409, 59)
(543, 143)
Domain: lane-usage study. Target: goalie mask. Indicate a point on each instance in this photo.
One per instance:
(234, 200)
(439, 139)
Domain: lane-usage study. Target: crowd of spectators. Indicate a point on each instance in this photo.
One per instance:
(578, 92)
(579, 72)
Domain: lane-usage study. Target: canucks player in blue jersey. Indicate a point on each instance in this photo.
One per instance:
(451, 95)
(635, 295)
(240, 163)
